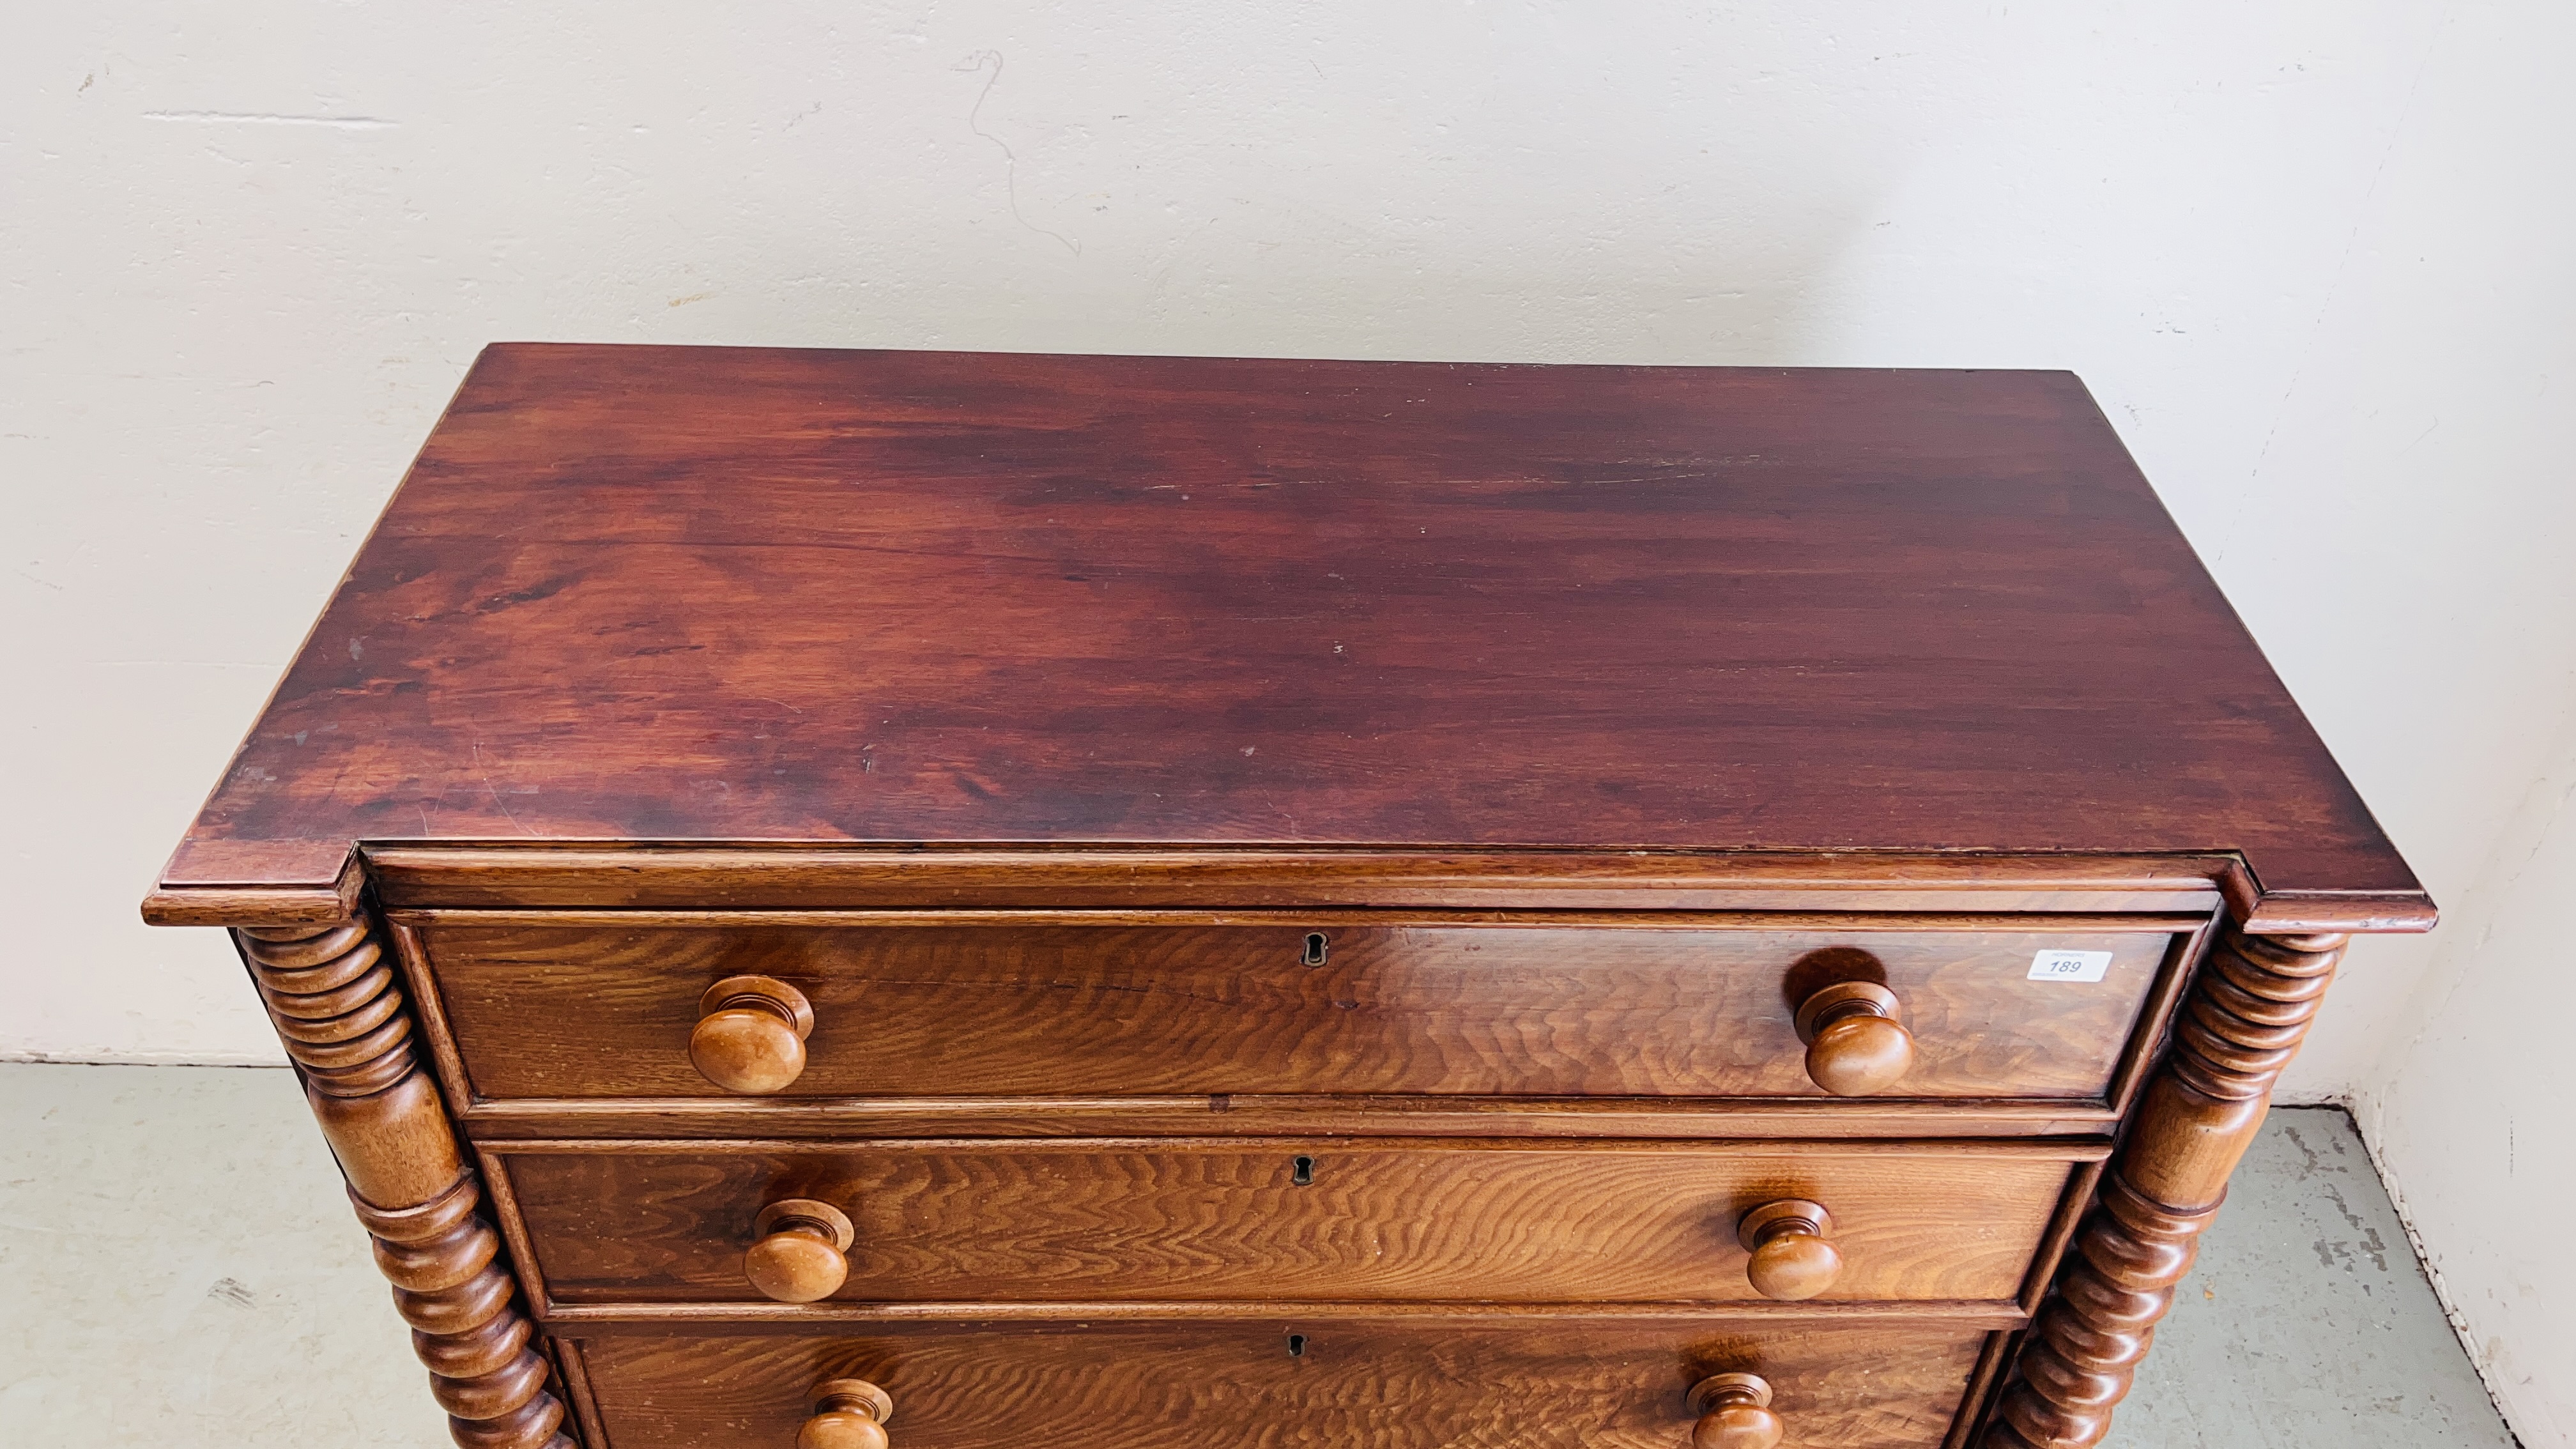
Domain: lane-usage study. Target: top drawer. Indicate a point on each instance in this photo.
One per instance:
(1325, 1003)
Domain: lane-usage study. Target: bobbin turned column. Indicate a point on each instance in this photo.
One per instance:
(333, 995)
(2240, 1027)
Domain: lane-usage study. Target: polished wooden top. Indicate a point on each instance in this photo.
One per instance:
(672, 594)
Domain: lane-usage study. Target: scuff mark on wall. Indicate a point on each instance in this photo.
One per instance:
(978, 62)
(252, 118)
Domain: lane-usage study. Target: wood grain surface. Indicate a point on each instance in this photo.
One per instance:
(1565, 1384)
(816, 878)
(716, 595)
(840, 1118)
(1295, 1220)
(598, 1011)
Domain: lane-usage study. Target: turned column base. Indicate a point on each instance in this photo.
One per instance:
(334, 1000)
(2240, 1027)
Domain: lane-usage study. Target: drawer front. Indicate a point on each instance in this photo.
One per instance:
(593, 1011)
(1559, 1383)
(1067, 1221)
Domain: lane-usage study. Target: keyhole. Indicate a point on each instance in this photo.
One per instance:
(1296, 1345)
(1301, 1171)
(1316, 948)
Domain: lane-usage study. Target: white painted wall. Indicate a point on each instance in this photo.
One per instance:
(2313, 256)
(2470, 1121)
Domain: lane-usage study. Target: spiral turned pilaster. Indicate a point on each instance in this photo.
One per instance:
(337, 1005)
(2239, 1028)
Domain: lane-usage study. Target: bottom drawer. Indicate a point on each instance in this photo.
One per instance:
(1420, 1383)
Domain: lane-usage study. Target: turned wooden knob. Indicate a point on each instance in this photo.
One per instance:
(751, 1032)
(848, 1414)
(1792, 1259)
(1855, 1044)
(803, 1250)
(1734, 1413)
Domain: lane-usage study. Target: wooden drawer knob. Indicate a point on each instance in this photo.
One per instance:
(1792, 1259)
(803, 1250)
(751, 1032)
(1734, 1413)
(1855, 1044)
(848, 1414)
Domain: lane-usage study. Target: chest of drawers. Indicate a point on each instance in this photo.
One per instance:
(843, 899)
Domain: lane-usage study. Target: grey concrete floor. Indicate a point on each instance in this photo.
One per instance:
(178, 1267)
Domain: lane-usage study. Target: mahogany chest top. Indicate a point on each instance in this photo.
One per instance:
(1167, 903)
(654, 594)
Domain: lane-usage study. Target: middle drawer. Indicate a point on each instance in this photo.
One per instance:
(1335, 1220)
